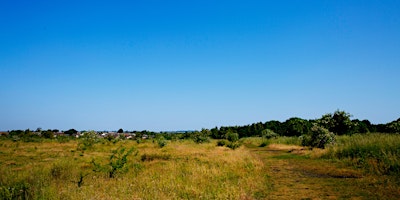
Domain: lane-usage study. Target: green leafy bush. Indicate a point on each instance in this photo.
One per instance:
(318, 137)
(199, 137)
(268, 134)
(221, 143)
(117, 162)
(232, 137)
(161, 141)
(234, 145)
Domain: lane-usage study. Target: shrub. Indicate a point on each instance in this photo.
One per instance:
(234, 145)
(117, 162)
(221, 143)
(319, 137)
(161, 141)
(268, 134)
(232, 137)
(199, 138)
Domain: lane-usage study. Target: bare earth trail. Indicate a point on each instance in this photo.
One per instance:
(295, 176)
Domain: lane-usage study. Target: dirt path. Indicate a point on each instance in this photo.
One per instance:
(297, 177)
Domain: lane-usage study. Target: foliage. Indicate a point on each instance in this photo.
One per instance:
(87, 140)
(319, 137)
(296, 126)
(222, 143)
(71, 132)
(117, 162)
(378, 153)
(120, 130)
(161, 141)
(201, 137)
(269, 134)
(232, 136)
(338, 123)
(48, 134)
(234, 145)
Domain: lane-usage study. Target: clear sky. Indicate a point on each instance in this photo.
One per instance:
(184, 65)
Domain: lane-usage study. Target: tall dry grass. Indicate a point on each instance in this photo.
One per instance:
(180, 170)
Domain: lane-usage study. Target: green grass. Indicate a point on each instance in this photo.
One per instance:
(377, 153)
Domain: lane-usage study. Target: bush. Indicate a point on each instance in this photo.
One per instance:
(234, 145)
(199, 138)
(232, 137)
(221, 143)
(319, 137)
(268, 134)
(161, 141)
(117, 162)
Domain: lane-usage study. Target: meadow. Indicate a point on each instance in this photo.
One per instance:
(180, 170)
(355, 167)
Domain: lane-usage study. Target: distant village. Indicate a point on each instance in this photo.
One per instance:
(55, 133)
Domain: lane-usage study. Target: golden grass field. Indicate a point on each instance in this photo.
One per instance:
(183, 170)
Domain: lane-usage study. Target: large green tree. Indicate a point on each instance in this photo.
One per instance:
(338, 122)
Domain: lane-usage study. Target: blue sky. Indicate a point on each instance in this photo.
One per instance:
(184, 65)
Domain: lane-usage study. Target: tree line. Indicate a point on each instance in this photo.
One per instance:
(339, 123)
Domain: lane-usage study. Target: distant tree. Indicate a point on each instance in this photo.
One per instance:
(268, 134)
(359, 126)
(275, 126)
(296, 126)
(215, 133)
(48, 134)
(339, 123)
(342, 123)
(55, 130)
(38, 130)
(393, 127)
(71, 132)
(120, 130)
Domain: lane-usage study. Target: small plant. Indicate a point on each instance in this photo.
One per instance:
(161, 141)
(117, 162)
